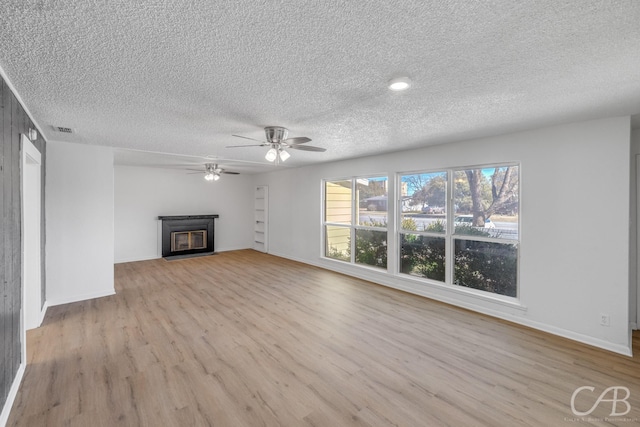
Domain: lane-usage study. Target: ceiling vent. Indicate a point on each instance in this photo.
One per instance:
(62, 129)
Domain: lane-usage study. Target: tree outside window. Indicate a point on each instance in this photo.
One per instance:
(483, 236)
(486, 231)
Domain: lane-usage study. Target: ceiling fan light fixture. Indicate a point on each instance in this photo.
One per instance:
(284, 155)
(399, 84)
(271, 155)
(213, 172)
(277, 140)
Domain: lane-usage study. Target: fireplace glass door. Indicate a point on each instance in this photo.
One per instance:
(187, 240)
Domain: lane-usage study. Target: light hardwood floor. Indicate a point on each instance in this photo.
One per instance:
(248, 339)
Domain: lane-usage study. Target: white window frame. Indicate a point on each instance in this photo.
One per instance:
(399, 230)
(394, 230)
(354, 219)
(449, 234)
(453, 236)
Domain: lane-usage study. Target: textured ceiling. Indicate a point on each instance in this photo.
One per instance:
(182, 77)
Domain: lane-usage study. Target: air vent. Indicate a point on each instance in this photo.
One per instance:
(62, 129)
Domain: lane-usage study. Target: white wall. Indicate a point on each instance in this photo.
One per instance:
(143, 193)
(574, 233)
(79, 218)
(634, 279)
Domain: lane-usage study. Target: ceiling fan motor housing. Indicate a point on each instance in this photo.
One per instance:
(276, 134)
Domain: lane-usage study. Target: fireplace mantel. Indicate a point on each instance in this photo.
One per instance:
(179, 217)
(181, 225)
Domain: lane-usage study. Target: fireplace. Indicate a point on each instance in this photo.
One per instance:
(187, 235)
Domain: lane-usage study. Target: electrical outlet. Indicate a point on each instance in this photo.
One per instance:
(605, 320)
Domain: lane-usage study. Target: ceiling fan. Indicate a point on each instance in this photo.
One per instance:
(277, 141)
(212, 172)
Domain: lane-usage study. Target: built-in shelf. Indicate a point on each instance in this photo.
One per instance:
(261, 216)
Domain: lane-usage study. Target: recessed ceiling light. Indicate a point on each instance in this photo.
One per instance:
(399, 83)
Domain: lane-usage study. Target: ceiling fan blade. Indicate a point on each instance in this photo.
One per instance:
(297, 140)
(307, 148)
(195, 170)
(252, 145)
(230, 173)
(246, 137)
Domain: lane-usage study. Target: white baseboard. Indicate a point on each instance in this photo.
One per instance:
(43, 313)
(13, 392)
(156, 256)
(144, 258)
(228, 249)
(82, 297)
(585, 339)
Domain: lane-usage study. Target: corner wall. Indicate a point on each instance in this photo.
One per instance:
(79, 201)
(634, 264)
(574, 257)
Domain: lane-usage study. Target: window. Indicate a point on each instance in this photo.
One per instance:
(458, 227)
(355, 220)
(461, 227)
(423, 213)
(486, 229)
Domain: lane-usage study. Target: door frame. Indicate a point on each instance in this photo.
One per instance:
(635, 314)
(31, 190)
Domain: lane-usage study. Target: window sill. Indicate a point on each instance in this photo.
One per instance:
(510, 302)
(353, 269)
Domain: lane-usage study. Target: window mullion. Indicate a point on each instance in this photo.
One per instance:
(448, 241)
(355, 217)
